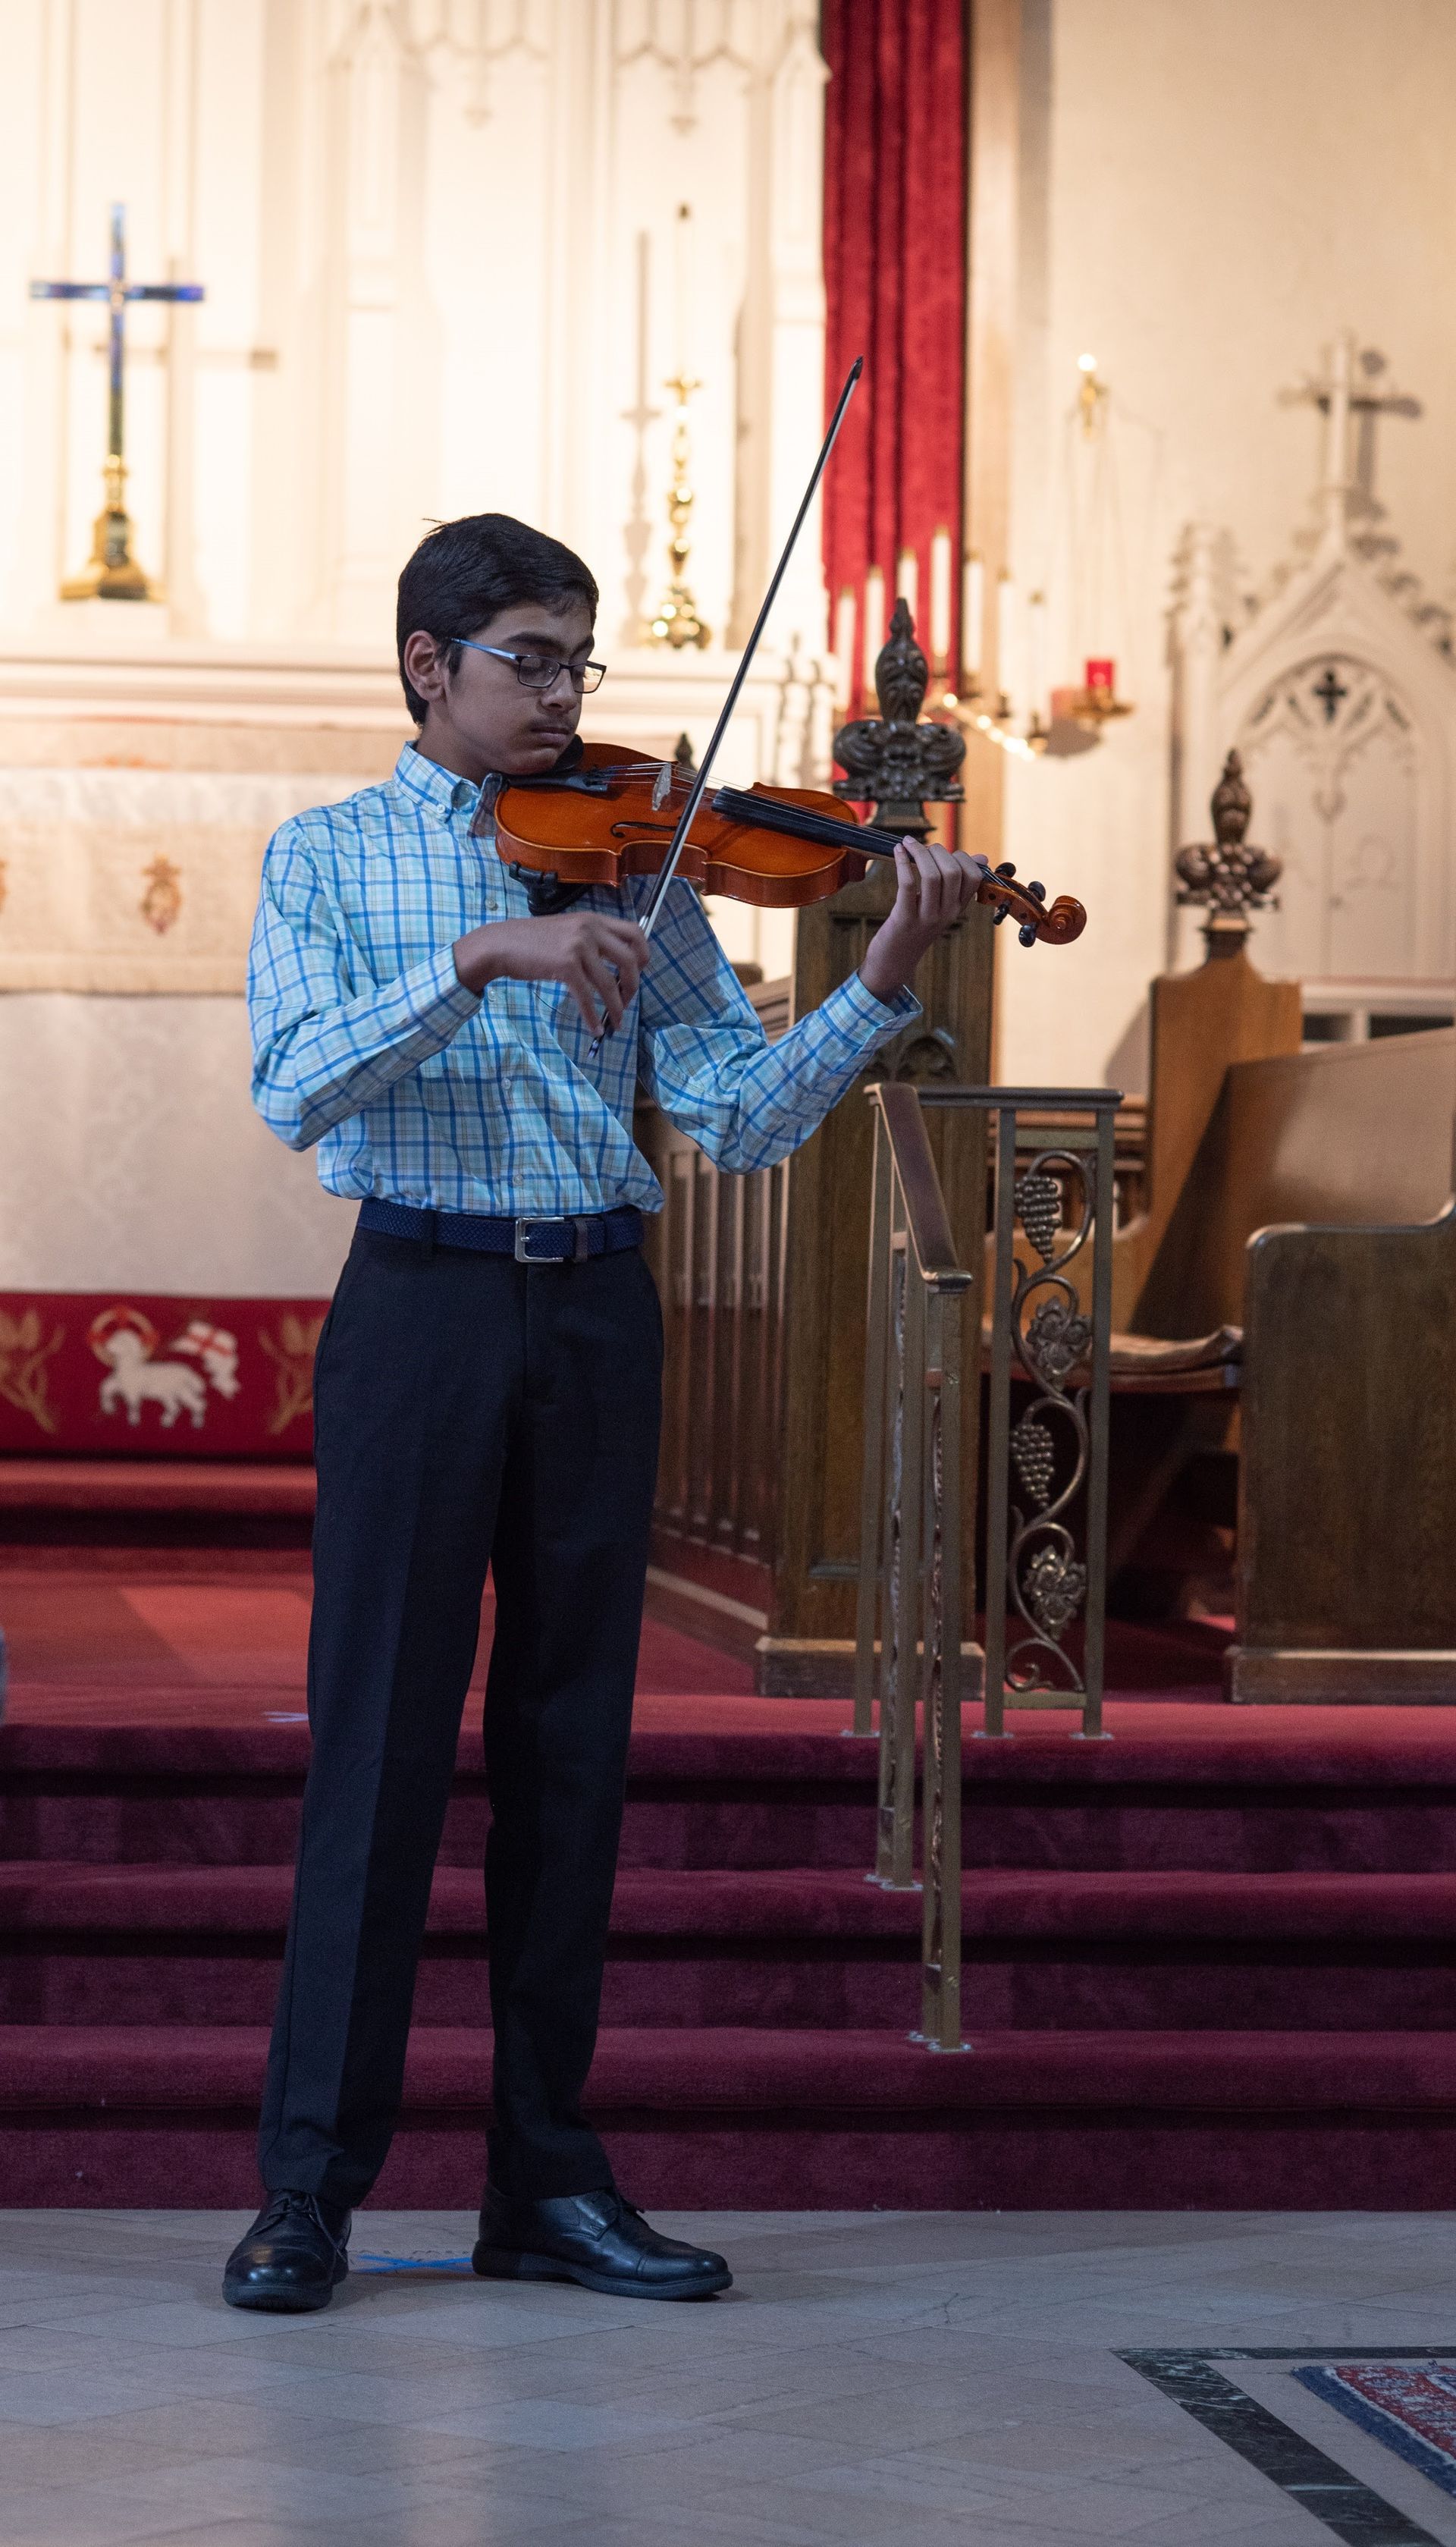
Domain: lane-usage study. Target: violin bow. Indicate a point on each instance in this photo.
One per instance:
(668, 868)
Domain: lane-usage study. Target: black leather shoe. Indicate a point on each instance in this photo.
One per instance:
(293, 2257)
(596, 2239)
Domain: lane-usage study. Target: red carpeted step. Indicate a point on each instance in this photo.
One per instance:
(747, 2070)
(282, 1487)
(230, 1795)
(1115, 2120)
(76, 1518)
(185, 1944)
(830, 1903)
(1220, 1795)
(1156, 1926)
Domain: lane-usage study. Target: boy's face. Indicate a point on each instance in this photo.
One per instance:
(484, 717)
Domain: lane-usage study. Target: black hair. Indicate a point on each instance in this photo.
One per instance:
(463, 572)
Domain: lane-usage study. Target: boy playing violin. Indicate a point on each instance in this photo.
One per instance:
(487, 1394)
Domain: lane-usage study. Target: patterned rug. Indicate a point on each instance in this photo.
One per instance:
(1410, 2406)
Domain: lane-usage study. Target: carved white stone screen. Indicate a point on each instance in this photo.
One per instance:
(1331, 756)
(1338, 689)
(438, 246)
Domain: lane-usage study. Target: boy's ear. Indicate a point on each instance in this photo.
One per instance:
(424, 663)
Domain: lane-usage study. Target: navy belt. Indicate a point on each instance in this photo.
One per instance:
(530, 1241)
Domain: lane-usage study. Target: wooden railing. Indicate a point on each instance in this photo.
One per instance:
(718, 1251)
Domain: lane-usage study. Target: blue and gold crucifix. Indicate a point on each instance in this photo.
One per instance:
(114, 573)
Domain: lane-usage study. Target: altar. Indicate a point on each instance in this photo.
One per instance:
(294, 366)
(139, 783)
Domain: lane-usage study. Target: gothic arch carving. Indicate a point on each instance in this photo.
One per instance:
(1339, 690)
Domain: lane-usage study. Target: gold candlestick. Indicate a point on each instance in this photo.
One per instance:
(676, 622)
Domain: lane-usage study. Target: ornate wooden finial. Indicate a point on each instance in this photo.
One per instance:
(899, 762)
(1231, 876)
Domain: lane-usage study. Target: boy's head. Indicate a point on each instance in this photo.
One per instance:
(495, 582)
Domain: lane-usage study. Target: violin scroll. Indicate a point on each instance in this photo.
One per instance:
(1027, 903)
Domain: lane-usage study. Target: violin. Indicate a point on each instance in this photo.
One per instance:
(606, 813)
(613, 811)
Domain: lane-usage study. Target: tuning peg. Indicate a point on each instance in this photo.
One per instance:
(998, 916)
(1027, 933)
(1006, 869)
(1038, 892)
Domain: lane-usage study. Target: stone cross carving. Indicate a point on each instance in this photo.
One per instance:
(112, 574)
(1230, 875)
(1349, 390)
(1330, 692)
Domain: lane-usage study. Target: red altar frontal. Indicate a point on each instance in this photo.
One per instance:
(156, 1375)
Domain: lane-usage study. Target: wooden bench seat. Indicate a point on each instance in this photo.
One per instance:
(1316, 1216)
(1152, 1366)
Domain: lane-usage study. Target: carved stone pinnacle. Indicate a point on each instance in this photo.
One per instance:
(899, 762)
(1228, 875)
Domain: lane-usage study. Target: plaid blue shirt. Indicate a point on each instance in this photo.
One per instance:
(418, 1090)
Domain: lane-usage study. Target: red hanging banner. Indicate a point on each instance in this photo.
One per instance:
(894, 270)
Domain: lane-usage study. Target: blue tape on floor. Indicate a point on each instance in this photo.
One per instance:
(410, 2263)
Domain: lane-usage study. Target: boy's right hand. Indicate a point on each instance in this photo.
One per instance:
(600, 960)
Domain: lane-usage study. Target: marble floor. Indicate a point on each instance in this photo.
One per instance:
(928, 2377)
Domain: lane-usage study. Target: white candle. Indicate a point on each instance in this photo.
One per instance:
(973, 615)
(844, 644)
(874, 624)
(940, 599)
(1005, 632)
(907, 579)
(1036, 648)
(682, 288)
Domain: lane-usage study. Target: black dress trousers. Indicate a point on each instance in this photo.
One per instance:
(468, 1410)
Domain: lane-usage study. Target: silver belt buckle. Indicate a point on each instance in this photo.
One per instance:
(581, 1238)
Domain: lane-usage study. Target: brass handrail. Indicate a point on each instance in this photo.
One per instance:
(1054, 1181)
(927, 1222)
(911, 1550)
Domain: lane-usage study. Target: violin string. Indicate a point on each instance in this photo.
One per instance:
(864, 839)
(668, 868)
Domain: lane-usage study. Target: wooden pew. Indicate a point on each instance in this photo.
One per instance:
(1313, 1230)
(1318, 1214)
(1286, 1313)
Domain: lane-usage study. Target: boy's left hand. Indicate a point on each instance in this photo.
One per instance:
(935, 887)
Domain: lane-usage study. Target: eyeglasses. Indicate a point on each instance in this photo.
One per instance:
(540, 672)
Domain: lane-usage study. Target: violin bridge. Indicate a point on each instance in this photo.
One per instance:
(662, 786)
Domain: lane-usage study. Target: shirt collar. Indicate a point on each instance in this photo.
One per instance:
(429, 784)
